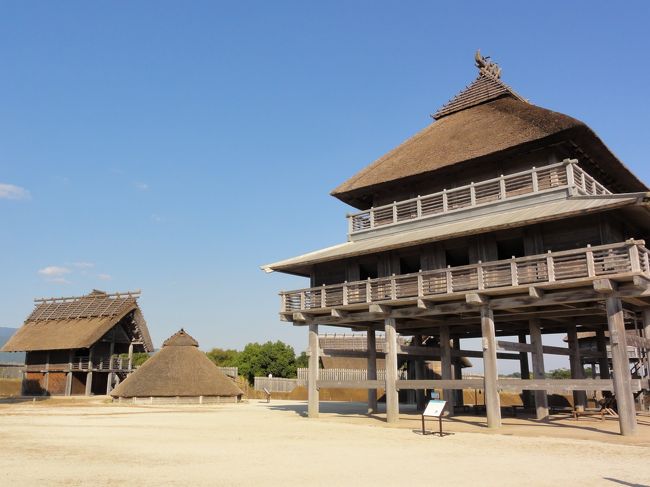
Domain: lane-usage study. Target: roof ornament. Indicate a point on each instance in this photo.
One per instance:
(487, 67)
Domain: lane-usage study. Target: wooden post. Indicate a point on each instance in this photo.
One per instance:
(371, 341)
(420, 400)
(458, 373)
(577, 370)
(603, 361)
(68, 377)
(109, 377)
(620, 366)
(130, 356)
(492, 403)
(445, 367)
(646, 335)
(89, 375)
(541, 400)
(46, 381)
(524, 369)
(312, 391)
(392, 400)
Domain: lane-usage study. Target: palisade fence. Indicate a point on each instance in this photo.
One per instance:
(276, 384)
(229, 371)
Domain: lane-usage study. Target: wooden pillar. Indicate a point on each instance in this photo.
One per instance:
(420, 399)
(445, 367)
(89, 375)
(312, 391)
(492, 403)
(392, 399)
(109, 377)
(372, 369)
(68, 378)
(620, 367)
(46, 380)
(541, 400)
(646, 335)
(577, 370)
(458, 372)
(130, 356)
(524, 370)
(603, 361)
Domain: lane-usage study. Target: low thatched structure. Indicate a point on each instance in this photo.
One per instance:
(178, 373)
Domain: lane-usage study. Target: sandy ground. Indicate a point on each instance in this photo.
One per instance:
(93, 443)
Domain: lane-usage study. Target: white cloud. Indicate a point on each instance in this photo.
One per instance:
(12, 192)
(59, 280)
(54, 272)
(83, 265)
(141, 186)
(104, 277)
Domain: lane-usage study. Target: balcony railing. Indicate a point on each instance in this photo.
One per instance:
(589, 262)
(566, 174)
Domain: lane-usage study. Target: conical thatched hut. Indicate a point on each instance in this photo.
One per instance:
(179, 372)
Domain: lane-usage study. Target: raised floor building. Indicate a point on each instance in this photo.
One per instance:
(80, 345)
(501, 218)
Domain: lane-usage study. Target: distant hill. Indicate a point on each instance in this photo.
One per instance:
(9, 357)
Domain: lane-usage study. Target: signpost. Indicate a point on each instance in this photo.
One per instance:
(434, 409)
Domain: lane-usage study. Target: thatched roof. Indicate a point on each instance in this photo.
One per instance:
(79, 322)
(487, 120)
(178, 369)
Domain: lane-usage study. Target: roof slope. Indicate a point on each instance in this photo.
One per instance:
(178, 369)
(77, 322)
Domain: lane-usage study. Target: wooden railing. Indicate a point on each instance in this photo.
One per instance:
(588, 262)
(346, 374)
(565, 174)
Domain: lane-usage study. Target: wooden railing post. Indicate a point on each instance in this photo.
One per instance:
(372, 217)
(393, 287)
(394, 211)
(535, 181)
(633, 252)
(418, 206)
(514, 272)
(550, 267)
(350, 224)
(472, 194)
(448, 278)
(591, 266)
(368, 291)
(303, 299)
(479, 276)
(502, 187)
(445, 201)
(345, 293)
(283, 301)
(420, 284)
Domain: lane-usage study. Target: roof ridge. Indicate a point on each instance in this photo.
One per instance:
(484, 88)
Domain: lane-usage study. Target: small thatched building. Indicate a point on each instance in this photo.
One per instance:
(79, 345)
(179, 372)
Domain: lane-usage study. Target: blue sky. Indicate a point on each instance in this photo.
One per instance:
(176, 146)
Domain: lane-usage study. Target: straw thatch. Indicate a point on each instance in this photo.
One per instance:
(178, 369)
(79, 322)
(486, 121)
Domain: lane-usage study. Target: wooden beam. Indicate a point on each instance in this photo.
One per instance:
(381, 309)
(492, 403)
(604, 286)
(339, 313)
(441, 384)
(535, 292)
(476, 299)
(351, 384)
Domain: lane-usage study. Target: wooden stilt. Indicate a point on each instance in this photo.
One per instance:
(524, 370)
(603, 361)
(89, 375)
(577, 370)
(420, 398)
(492, 403)
(445, 367)
(620, 367)
(392, 400)
(541, 400)
(458, 373)
(372, 369)
(646, 335)
(312, 392)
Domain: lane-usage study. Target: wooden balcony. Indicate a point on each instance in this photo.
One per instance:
(566, 174)
(83, 364)
(553, 268)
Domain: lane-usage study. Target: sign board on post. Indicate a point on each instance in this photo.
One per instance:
(434, 409)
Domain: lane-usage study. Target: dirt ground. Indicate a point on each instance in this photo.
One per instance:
(90, 442)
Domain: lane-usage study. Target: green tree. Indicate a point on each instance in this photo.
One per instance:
(260, 360)
(559, 374)
(138, 358)
(223, 358)
(302, 361)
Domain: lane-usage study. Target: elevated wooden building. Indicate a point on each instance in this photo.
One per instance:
(501, 218)
(80, 345)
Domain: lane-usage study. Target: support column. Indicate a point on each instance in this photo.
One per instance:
(620, 367)
(109, 377)
(372, 369)
(130, 356)
(89, 375)
(603, 362)
(46, 380)
(524, 370)
(646, 335)
(577, 370)
(445, 367)
(420, 374)
(458, 372)
(541, 400)
(68, 377)
(392, 399)
(312, 388)
(492, 403)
